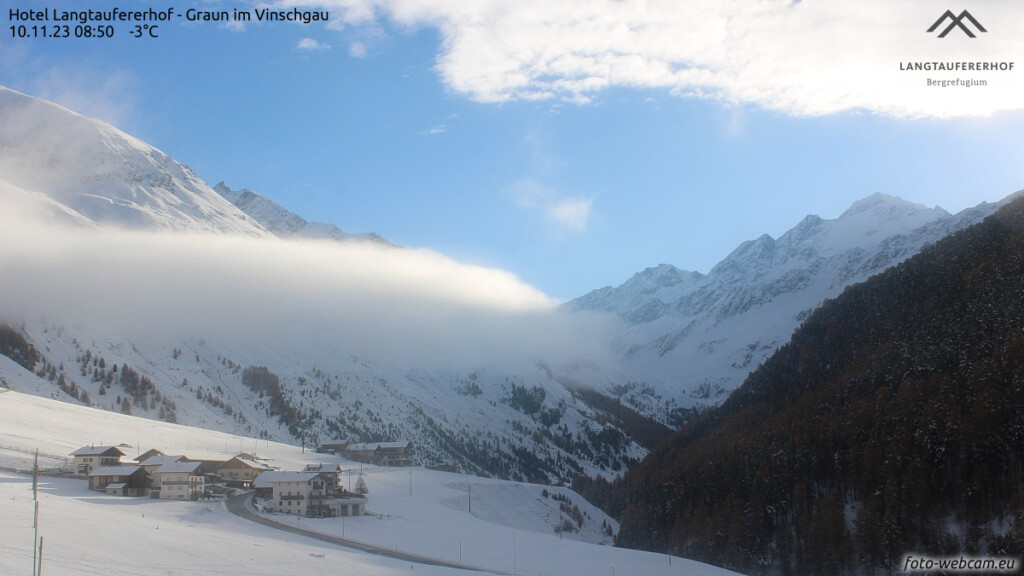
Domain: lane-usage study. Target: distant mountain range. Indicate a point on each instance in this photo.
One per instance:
(695, 337)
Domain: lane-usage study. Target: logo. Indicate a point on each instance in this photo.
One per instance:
(957, 21)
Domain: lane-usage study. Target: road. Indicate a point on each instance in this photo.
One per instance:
(240, 505)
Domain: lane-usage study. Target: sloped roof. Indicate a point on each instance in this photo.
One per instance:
(238, 460)
(178, 467)
(115, 470)
(268, 479)
(399, 444)
(148, 454)
(97, 451)
(370, 446)
(161, 460)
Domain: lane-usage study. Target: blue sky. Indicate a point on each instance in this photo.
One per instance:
(572, 145)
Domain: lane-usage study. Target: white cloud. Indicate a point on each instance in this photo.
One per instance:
(357, 50)
(567, 213)
(570, 213)
(804, 58)
(400, 305)
(434, 130)
(312, 44)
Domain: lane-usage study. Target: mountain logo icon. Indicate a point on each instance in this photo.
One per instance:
(957, 21)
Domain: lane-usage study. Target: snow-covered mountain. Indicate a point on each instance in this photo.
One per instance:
(84, 170)
(697, 336)
(95, 172)
(178, 348)
(297, 339)
(284, 223)
(521, 423)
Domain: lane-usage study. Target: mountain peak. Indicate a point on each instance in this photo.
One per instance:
(749, 258)
(883, 204)
(229, 194)
(662, 275)
(706, 334)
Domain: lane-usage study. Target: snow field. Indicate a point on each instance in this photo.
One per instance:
(87, 533)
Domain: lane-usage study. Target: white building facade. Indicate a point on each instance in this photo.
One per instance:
(181, 481)
(313, 494)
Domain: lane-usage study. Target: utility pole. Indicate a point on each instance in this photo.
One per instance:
(35, 517)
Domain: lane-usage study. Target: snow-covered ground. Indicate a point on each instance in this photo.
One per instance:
(510, 528)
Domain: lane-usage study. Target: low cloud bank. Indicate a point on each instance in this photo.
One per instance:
(409, 306)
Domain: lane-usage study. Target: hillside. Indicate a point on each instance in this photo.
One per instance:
(516, 424)
(85, 532)
(892, 423)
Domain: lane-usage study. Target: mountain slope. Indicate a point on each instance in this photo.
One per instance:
(515, 422)
(892, 423)
(695, 337)
(283, 223)
(95, 171)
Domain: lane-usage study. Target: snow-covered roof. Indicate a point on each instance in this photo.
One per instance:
(148, 454)
(116, 486)
(370, 446)
(268, 479)
(399, 444)
(161, 460)
(244, 461)
(178, 467)
(115, 470)
(96, 451)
